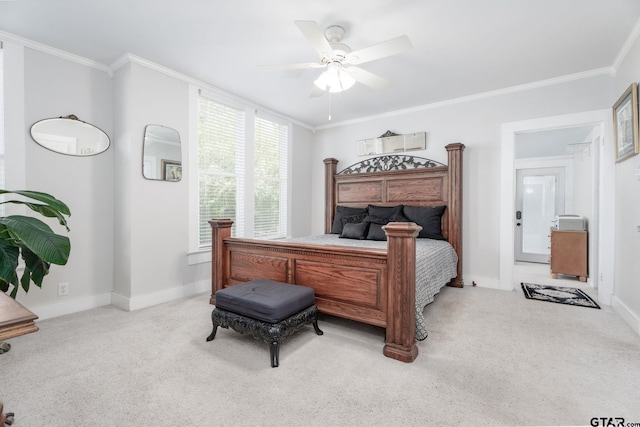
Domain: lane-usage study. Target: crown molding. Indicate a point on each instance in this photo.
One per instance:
(490, 94)
(12, 38)
(131, 58)
(626, 47)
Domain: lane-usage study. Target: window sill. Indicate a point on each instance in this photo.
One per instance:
(199, 257)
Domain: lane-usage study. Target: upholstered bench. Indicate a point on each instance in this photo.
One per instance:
(268, 310)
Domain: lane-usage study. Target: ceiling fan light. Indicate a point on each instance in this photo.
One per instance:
(334, 80)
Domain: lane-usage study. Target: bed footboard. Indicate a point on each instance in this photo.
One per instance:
(372, 286)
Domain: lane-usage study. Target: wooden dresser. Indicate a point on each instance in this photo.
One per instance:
(569, 254)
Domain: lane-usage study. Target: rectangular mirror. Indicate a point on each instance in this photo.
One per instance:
(392, 143)
(161, 155)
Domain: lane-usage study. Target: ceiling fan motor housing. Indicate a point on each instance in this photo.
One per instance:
(334, 33)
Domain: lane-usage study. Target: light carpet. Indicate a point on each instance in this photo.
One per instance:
(491, 358)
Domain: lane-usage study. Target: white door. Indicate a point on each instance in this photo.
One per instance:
(539, 198)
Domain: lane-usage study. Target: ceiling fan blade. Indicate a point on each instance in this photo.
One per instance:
(299, 66)
(367, 78)
(316, 37)
(380, 50)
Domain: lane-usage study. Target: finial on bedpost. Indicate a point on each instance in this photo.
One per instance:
(455, 205)
(220, 230)
(330, 169)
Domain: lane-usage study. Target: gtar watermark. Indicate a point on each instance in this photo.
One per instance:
(612, 422)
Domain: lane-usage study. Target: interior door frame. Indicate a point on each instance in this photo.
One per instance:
(557, 162)
(603, 227)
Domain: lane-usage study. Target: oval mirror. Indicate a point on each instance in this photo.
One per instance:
(161, 154)
(70, 135)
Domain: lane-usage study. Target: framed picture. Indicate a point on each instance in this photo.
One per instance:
(171, 170)
(625, 123)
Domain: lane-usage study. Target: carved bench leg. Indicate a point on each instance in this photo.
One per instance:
(4, 347)
(275, 353)
(315, 325)
(271, 333)
(215, 328)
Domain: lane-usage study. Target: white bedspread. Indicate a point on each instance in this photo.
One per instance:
(436, 265)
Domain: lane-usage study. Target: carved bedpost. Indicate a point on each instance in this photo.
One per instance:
(400, 342)
(330, 168)
(220, 230)
(455, 205)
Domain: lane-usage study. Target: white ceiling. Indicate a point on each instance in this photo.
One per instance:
(461, 47)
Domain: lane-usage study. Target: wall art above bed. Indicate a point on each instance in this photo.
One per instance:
(391, 142)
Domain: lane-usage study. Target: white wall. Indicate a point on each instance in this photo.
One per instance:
(152, 222)
(129, 235)
(627, 207)
(53, 87)
(477, 124)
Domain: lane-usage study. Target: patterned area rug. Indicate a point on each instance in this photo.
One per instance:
(571, 296)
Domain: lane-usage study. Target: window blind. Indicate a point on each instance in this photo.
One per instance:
(270, 174)
(220, 166)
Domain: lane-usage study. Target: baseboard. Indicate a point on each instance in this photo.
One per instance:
(148, 300)
(71, 306)
(75, 305)
(482, 282)
(627, 314)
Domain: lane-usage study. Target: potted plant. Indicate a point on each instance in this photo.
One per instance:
(32, 240)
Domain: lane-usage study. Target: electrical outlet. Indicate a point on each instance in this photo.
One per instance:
(63, 289)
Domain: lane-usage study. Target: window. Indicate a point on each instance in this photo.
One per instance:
(242, 171)
(270, 188)
(220, 166)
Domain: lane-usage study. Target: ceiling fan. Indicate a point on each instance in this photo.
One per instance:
(340, 63)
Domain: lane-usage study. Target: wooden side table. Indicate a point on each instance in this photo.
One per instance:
(569, 254)
(15, 320)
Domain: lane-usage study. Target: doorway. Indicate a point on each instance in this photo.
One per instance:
(600, 225)
(539, 198)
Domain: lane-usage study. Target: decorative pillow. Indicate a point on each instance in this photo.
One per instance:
(376, 232)
(375, 219)
(352, 230)
(399, 217)
(427, 217)
(342, 211)
(353, 218)
(384, 212)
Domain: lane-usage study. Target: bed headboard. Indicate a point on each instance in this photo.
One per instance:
(401, 180)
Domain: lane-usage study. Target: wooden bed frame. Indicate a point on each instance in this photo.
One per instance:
(372, 286)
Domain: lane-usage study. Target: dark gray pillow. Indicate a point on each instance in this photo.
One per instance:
(384, 212)
(375, 219)
(376, 232)
(399, 217)
(427, 217)
(342, 211)
(353, 230)
(353, 218)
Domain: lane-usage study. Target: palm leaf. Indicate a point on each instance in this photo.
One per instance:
(8, 260)
(38, 237)
(42, 197)
(36, 267)
(44, 210)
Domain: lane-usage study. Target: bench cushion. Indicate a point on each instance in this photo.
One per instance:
(265, 300)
